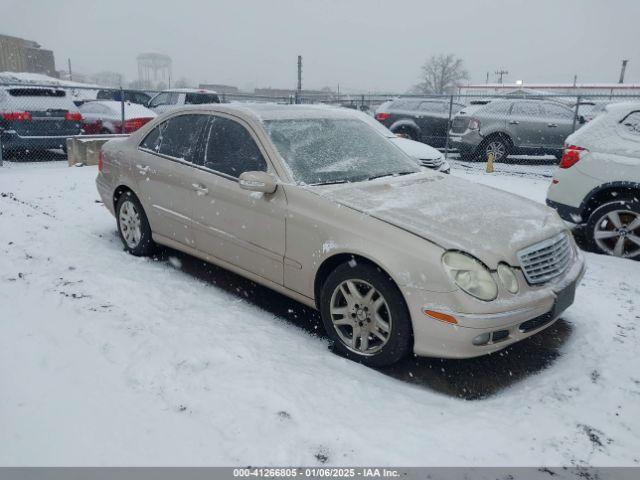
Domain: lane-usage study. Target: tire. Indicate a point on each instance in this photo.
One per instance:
(614, 229)
(497, 145)
(362, 291)
(133, 226)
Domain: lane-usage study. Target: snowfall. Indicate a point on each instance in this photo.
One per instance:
(109, 359)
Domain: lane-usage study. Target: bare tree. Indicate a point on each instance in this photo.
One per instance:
(440, 74)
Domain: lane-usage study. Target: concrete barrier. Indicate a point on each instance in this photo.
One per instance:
(84, 149)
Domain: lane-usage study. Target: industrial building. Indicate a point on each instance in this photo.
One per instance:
(20, 55)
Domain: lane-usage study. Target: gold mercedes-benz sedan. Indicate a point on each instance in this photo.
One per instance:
(316, 204)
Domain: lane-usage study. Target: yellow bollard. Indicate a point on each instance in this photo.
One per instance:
(490, 163)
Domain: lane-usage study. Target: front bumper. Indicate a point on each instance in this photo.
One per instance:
(537, 311)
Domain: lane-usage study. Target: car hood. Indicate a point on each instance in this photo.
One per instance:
(453, 213)
(417, 150)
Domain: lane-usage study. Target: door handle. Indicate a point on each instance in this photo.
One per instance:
(514, 122)
(200, 189)
(143, 169)
(553, 125)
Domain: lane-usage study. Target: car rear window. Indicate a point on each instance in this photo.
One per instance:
(201, 98)
(37, 92)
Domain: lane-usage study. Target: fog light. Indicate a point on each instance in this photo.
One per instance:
(482, 339)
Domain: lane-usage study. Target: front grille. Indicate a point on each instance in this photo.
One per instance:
(431, 163)
(459, 124)
(546, 260)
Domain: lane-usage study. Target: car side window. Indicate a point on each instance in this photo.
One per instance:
(557, 111)
(230, 149)
(631, 123)
(160, 99)
(152, 140)
(526, 109)
(496, 108)
(177, 137)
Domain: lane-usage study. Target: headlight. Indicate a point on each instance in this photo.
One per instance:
(508, 278)
(470, 275)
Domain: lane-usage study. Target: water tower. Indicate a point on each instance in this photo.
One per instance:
(153, 67)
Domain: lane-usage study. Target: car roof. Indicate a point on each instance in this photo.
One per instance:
(274, 111)
(188, 90)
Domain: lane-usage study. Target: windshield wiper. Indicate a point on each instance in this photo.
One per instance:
(395, 174)
(332, 182)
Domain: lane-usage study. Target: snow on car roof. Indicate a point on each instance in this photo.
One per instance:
(189, 90)
(131, 110)
(274, 111)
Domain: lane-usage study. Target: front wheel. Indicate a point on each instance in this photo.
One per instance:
(133, 226)
(614, 229)
(365, 315)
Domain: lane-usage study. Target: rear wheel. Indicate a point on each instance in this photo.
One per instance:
(133, 225)
(365, 315)
(614, 229)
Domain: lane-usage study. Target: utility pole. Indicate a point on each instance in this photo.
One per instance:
(575, 81)
(624, 68)
(70, 74)
(487, 79)
(299, 88)
(500, 74)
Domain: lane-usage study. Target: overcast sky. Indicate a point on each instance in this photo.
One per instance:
(361, 45)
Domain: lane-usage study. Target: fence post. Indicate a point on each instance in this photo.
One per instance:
(121, 109)
(446, 143)
(575, 114)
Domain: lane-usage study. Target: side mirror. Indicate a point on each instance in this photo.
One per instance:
(258, 182)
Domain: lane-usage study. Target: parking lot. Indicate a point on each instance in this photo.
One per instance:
(108, 359)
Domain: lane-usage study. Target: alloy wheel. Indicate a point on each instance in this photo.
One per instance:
(360, 316)
(497, 149)
(618, 233)
(130, 224)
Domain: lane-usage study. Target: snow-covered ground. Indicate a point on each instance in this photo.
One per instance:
(107, 359)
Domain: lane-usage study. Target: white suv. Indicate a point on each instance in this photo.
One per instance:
(598, 182)
(177, 97)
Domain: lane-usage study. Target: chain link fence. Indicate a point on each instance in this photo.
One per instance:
(36, 119)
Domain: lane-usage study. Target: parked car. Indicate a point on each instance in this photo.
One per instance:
(132, 96)
(317, 205)
(37, 118)
(105, 117)
(425, 155)
(421, 119)
(168, 99)
(598, 182)
(512, 126)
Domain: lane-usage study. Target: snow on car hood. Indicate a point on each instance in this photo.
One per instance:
(453, 213)
(417, 150)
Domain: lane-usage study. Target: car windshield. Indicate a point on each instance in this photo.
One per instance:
(321, 151)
